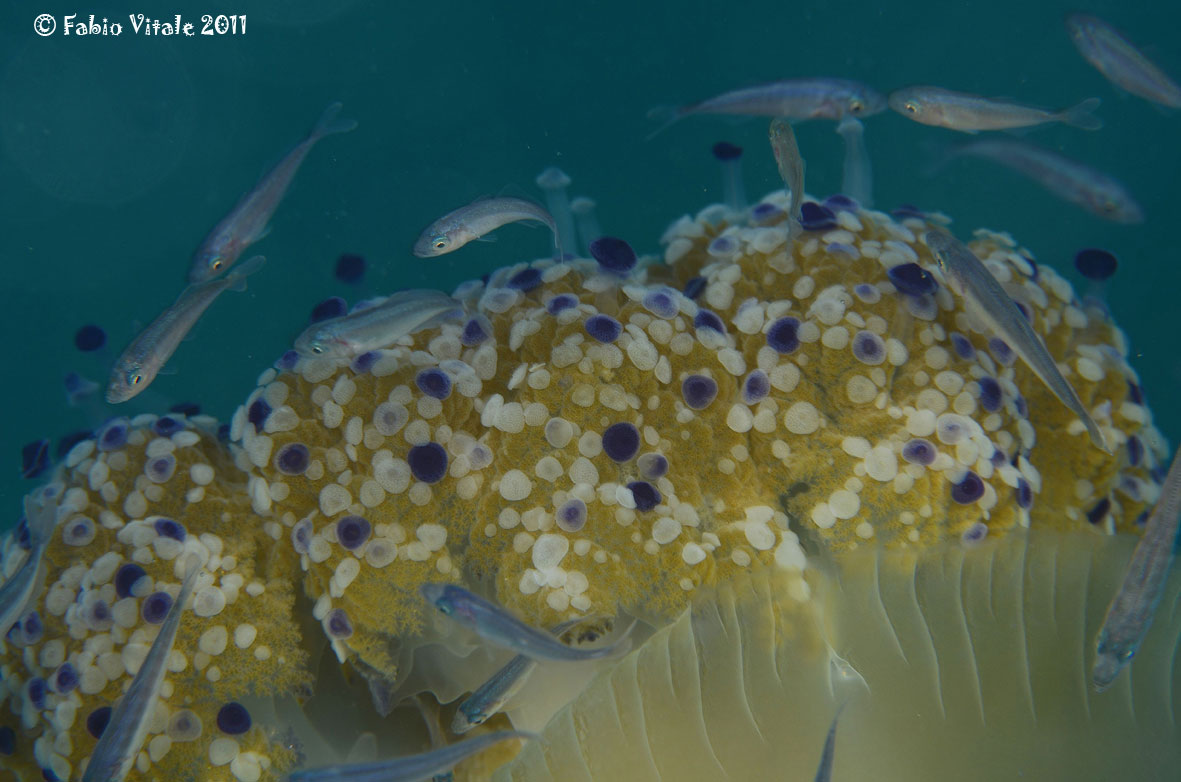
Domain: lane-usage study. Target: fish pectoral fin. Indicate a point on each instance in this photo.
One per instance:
(486, 238)
(164, 372)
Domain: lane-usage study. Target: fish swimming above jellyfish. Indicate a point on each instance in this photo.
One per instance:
(1122, 63)
(792, 99)
(1100, 194)
(247, 221)
(140, 362)
(971, 279)
(467, 223)
(970, 113)
(1135, 603)
(377, 325)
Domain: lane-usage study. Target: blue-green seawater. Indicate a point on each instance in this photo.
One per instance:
(117, 155)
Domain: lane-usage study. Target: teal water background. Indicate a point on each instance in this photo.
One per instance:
(117, 155)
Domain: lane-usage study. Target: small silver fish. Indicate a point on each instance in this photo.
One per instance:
(41, 518)
(138, 365)
(1121, 62)
(970, 113)
(791, 168)
(247, 221)
(857, 179)
(377, 326)
(492, 695)
(125, 732)
(795, 99)
(497, 626)
(409, 767)
(824, 770)
(467, 223)
(1070, 180)
(972, 280)
(1130, 614)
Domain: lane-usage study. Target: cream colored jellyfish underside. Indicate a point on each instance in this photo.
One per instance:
(744, 685)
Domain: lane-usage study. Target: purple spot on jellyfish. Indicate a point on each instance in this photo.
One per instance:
(353, 531)
(1001, 351)
(34, 458)
(1094, 264)
(524, 280)
(473, 333)
(32, 628)
(922, 307)
(292, 459)
(301, 535)
(968, 490)
(571, 517)
(912, 279)
(963, 346)
(766, 213)
(699, 391)
(621, 441)
(364, 362)
(1135, 393)
(428, 462)
(1098, 513)
(89, 338)
(1026, 311)
(113, 434)
(96, 721)
(160, 469)
(652, 465)
(908, 210)
(170, 528)
(434, 383)
(350, 268)
(166, 426)
(1022, 406)
(561, 303)
(257, 413)
(694, 287)
(783, 336)
(867, 293)
(233, 718)
(125, 578)
(919, 451)
(841, 203)
(661, 302)
(35, 692)
(723, 246)
(705, 319)
(990, 394)
(974, 534)
(332, 307)
(645, 495)
(1135, 450)
(337, 624)
(65, 679)
(614, 255)
(814, 217)
(287, 361)
(1024, 494)
(155, 607)
(724, 150)
(603, 328)
(868, 348)
(756, 387)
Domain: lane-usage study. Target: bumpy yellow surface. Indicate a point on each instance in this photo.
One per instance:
(818, 463)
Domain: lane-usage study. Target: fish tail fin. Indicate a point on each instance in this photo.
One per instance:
(41, 517)
(666, 115)
(1082, 115)
(237, 278)
(329, 123)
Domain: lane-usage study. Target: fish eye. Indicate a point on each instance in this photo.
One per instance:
(440, 242)
(445, 608)
(912, 107)
(856, 106)
(134, 376)
(216, 263)
(317, 348)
